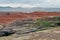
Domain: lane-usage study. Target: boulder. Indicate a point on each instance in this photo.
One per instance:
(6, 32)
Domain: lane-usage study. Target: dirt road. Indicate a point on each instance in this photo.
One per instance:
(52, 34)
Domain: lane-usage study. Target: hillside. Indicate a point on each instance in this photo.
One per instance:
(6, 17)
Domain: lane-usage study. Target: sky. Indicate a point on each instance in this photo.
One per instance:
(31, 3)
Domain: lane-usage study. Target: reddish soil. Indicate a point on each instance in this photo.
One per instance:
(6, 17)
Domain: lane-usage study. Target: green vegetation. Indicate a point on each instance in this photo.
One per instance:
(43, 23)
(57, 18)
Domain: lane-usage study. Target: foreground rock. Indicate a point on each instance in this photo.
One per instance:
(18, 27)
(6, 32)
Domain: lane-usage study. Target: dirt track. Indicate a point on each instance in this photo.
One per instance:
(53, 34)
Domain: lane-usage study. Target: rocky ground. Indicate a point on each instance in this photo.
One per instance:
(52, 34)
(27, 30)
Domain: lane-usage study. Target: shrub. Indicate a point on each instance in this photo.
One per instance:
(57, 18)
(44, 23)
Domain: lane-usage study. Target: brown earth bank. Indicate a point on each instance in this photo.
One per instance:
(6, 17)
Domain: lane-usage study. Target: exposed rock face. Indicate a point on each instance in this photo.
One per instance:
(18, 27)
(22, 27)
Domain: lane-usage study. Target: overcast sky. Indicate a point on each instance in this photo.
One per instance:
(31, 3)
